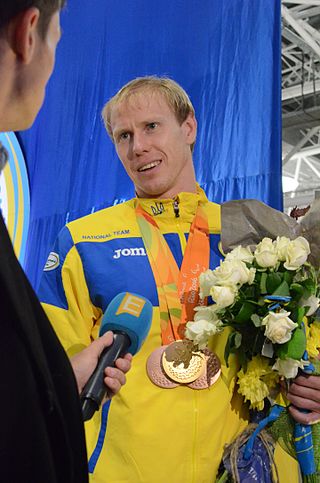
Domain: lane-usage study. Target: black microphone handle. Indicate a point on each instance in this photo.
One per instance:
(95, 389)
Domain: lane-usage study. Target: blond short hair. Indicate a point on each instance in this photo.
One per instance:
(176, 97)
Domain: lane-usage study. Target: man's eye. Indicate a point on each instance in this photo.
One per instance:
(123, 136)
(152, 125)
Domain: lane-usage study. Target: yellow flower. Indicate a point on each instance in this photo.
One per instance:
(313, 339)
(253, 384)
(271, 379)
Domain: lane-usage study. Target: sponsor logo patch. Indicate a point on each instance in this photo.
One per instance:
(129, 252)
(52, 262)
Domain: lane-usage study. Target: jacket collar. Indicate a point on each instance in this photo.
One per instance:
(184, 205)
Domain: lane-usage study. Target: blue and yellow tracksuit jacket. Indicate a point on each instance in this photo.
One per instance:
(146, 434)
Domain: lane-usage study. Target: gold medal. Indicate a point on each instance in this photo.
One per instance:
(182, 363)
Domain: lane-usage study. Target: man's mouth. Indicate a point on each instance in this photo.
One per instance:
(151, 165)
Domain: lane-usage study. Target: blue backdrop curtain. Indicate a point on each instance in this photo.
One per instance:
(225, 53)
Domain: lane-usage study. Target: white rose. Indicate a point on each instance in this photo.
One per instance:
(206, 280)
(208, 313)
(240, 253)
(278, 327)
(282, 243)
(223, 296)
(289, 367)
(312, 302)
(297, 253)
(252, 274)
(200, 331)
(266, 253)
(232, 273)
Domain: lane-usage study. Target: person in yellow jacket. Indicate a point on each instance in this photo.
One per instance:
(154, 431)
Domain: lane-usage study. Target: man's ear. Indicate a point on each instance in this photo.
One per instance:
(190, 128)
(24, 34)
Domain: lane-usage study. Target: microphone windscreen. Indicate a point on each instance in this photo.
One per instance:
(129, 313)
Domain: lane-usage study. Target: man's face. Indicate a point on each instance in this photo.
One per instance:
(152, 146)
(41, 67)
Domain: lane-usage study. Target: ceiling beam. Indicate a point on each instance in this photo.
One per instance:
(301, 90)
(300, 144)
(306, 152)
(308, 12)
(298, 27)
(302, 119)
(296, 40)
(303, 2)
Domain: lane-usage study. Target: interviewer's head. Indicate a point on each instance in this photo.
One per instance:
(29, 34)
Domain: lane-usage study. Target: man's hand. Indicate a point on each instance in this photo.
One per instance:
(85, 362)
(304, 393)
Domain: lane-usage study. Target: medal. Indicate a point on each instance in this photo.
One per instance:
(156, 372)
(180, 364)
(212, 371)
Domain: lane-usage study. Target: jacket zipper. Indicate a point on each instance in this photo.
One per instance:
(176, 207)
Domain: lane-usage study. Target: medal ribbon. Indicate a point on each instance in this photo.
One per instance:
(178, 290)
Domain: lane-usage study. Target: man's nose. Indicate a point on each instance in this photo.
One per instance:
(139, 144)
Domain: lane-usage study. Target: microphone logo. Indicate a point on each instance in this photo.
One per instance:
(132, 305)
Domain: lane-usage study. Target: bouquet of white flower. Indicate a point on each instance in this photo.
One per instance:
(268, 295)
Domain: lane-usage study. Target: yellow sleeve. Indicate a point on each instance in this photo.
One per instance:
(66, 300)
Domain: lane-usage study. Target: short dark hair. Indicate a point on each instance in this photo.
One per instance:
(10, 8)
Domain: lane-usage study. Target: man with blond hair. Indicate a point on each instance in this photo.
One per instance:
(42, 436)
(159, 428)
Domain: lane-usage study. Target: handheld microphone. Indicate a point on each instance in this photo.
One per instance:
(129, 317)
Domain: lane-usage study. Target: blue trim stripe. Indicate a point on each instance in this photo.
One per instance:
(97, 450)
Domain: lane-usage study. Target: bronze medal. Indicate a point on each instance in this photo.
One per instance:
(212, 371)
(156, 372)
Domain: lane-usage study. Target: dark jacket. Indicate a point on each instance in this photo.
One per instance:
(41, 430)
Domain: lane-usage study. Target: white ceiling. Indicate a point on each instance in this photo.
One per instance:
(300, 101)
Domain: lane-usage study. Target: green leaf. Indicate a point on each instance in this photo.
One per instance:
(301, 313)
(263, 281)
(248, 292)
(245, 312)
(233, 343)
(243, 361)
(227, 348)
(309, 285)
(297, 287)
(257, 321)
(295, 347)
(273, 281)
(288, 277)
(298, 314)
(257, 342)
(282, 290)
